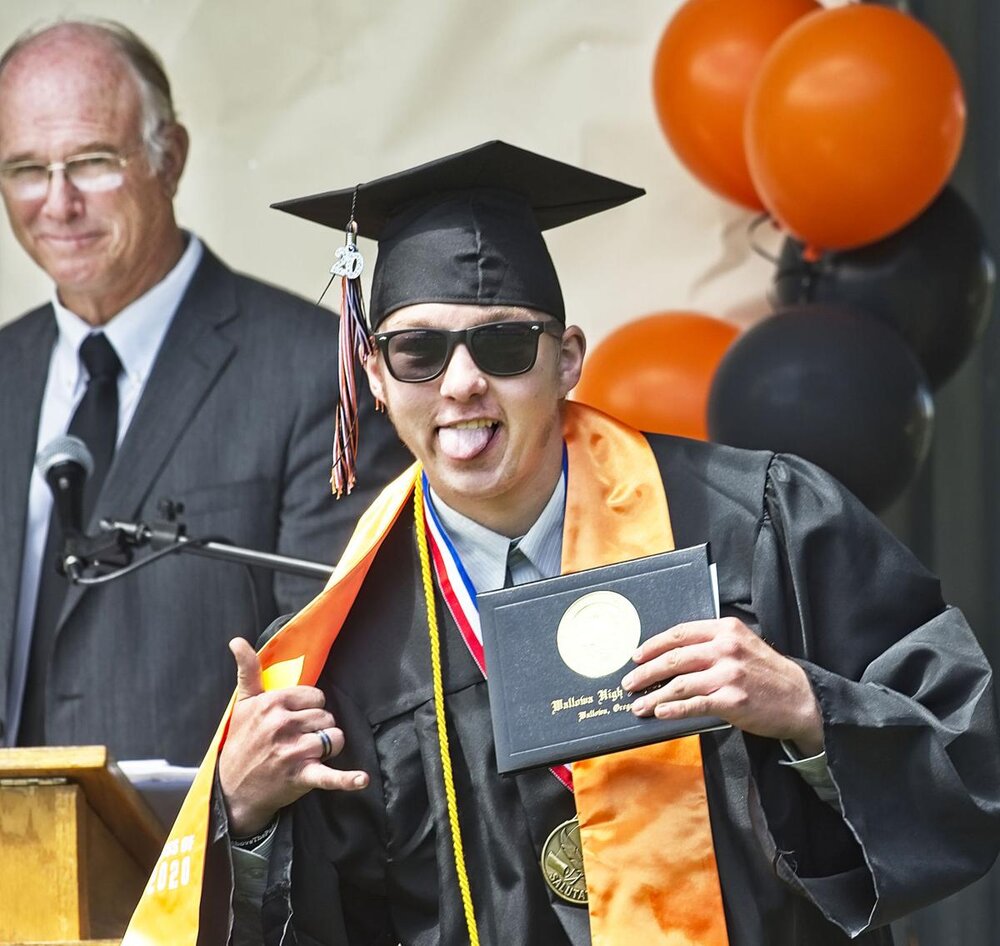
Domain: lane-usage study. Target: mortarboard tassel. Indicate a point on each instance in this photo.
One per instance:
(354, 343)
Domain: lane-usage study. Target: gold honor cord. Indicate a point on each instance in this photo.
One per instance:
(447, 775)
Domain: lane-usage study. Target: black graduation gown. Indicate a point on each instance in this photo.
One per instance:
(904, 689)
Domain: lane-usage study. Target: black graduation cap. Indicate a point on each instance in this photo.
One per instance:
(466, 228)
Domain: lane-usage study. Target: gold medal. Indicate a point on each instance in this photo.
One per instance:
(562, 863)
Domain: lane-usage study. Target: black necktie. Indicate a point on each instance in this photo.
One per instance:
(95, 422)
(515, 557)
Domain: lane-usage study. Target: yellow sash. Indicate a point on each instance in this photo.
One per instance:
(648, 855)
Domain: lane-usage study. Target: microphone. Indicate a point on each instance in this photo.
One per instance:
(65, 464)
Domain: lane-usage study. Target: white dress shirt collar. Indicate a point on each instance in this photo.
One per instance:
(483, 553)
(136, 332)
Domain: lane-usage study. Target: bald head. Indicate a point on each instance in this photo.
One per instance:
(87, 105)
(111, 41)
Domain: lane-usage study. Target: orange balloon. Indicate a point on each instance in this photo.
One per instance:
(705, 66)
(854, 125)
(655, 373)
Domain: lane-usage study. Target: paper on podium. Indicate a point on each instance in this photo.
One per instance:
(162, 785)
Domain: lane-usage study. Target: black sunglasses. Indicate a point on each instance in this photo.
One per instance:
(502, 349)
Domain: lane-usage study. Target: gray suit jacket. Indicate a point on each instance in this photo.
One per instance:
(236, 422)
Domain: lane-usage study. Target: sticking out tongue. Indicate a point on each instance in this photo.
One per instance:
(464, 443)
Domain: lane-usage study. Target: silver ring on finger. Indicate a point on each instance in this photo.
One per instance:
(327, 745)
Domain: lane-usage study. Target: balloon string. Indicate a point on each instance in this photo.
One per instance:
(806, 267)
(752, 237)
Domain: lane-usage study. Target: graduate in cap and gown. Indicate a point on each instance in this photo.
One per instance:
(352, 791)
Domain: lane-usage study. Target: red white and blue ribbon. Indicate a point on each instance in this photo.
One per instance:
(460, 596)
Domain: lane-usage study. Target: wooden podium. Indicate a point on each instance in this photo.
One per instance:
(77, 846)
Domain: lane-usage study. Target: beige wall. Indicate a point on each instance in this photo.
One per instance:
(292, 97)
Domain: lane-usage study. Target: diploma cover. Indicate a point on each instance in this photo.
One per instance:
(557, 649)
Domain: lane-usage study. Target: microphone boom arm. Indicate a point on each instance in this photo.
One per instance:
(111, 551)
(164, 535)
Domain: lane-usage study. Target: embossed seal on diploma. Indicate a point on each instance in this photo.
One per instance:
(598, 633)
(562, 862)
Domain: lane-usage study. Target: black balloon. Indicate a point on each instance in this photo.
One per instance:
(932, 281)
(837, 388)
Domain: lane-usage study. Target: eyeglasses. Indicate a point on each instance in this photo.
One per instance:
(502, 349)
(91, 173)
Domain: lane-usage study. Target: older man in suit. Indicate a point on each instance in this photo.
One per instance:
(157, 352)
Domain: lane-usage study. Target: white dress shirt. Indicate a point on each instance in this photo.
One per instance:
(484, 553)
(136, 334)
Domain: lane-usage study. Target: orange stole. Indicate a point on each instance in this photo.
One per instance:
(644, 825)
(643, 813)
(168, 911)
